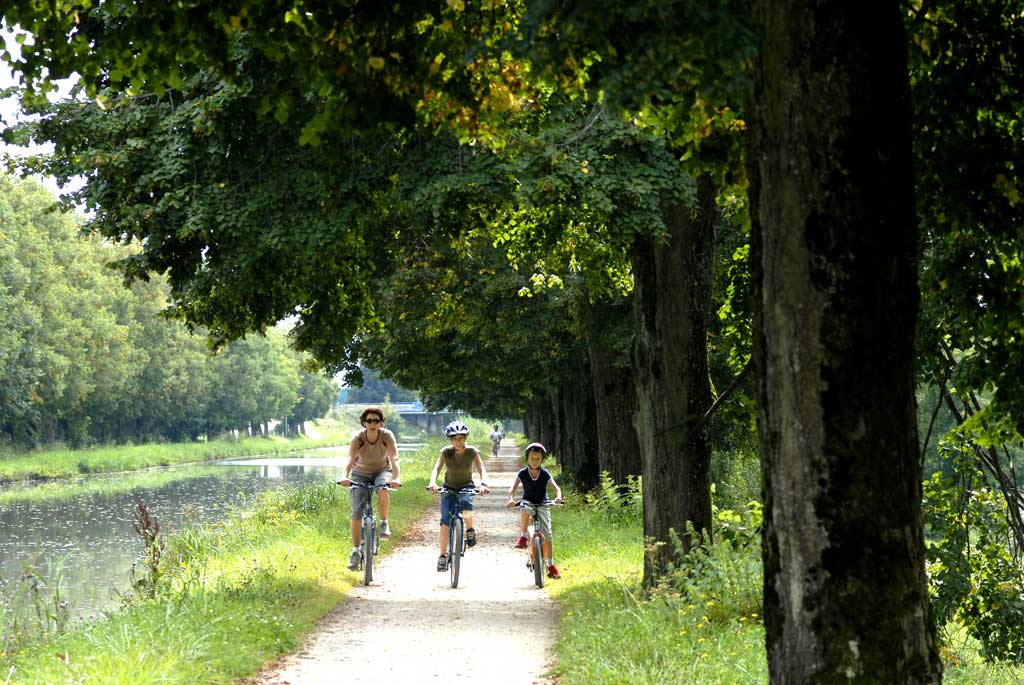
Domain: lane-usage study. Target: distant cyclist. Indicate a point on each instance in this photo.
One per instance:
(372, 458)
(497, 435)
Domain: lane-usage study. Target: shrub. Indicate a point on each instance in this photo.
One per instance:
(973, 578)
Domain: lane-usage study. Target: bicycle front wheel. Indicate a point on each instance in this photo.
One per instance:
(455, 549)
(538, 560)
(369, 544)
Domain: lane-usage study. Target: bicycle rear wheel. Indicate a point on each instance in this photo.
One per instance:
(455, 549)
(537, 551)
(369, 544)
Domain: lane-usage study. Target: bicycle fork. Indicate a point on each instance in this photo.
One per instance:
(534, 534)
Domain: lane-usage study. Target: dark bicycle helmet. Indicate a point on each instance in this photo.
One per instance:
(536, 446)
(456, 428)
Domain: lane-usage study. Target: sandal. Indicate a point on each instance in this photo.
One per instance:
(470, 537)
(442, 563)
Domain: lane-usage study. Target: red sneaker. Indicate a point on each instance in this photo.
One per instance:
(553, 572)
(521, 542)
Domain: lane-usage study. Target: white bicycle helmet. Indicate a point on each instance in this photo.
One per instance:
(456, 428)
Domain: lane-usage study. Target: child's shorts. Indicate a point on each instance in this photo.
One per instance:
(543, 518)
(448, 504)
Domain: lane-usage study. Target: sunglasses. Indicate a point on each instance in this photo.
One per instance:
(372, 421)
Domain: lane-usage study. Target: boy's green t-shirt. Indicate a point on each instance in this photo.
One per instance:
(458, 468)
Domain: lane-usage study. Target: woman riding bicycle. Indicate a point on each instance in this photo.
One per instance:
(458, 461)
(372, 458)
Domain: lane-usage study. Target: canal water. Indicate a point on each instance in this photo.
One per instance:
(79, 532)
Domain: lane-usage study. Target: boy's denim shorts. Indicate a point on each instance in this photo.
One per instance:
(359, 495)
(448, 504)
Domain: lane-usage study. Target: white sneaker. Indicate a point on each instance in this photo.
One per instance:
(385, 529)
(353, 561)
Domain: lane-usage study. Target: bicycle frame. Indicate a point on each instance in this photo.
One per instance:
(535, 562)
(370, 543)
(456, 532)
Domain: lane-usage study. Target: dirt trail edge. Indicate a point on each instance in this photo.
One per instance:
(410, 626)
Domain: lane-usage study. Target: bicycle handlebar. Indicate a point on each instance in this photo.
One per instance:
(367, 486)
(526, 504)
(458, 491)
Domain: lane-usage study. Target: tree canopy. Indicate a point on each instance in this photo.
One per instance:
(84, 360)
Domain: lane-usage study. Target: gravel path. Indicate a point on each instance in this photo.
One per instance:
(496, 625)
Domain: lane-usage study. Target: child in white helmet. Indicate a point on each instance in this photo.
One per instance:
(459, 460)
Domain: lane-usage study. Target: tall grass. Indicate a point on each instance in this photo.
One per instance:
(228, 597)
(30, 609)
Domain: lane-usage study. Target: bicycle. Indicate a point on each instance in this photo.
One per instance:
(535, 563)
(370, 543)
(456, 532)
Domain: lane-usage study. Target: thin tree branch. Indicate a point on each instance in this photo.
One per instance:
(714, 406)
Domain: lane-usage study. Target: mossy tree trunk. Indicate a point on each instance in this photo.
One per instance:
(618, 454)
(541, 420)
(577, 449)
(672, 299)
(834, 263)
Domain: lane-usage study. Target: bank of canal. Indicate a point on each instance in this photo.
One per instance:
(78, 533)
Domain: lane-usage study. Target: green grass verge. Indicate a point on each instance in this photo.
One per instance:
(237, 594)
(961, 655)
(107, 486)
(63, 463)
(231, 596)
(610, 633)
(706, 628)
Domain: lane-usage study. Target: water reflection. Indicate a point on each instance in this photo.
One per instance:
(86, 524)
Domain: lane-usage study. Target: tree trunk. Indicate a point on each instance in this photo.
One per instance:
(672, 298)
(531, 421)
(615, 406)
(558, 427)
(578, 449)
(539, 422)
(834, 258)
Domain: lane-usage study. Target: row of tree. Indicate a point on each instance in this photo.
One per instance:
(537, 207)
(84, 360)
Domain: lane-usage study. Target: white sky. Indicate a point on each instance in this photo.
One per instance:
(10, 109)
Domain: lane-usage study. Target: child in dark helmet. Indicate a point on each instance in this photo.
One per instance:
(458, 460)
(535, 481)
